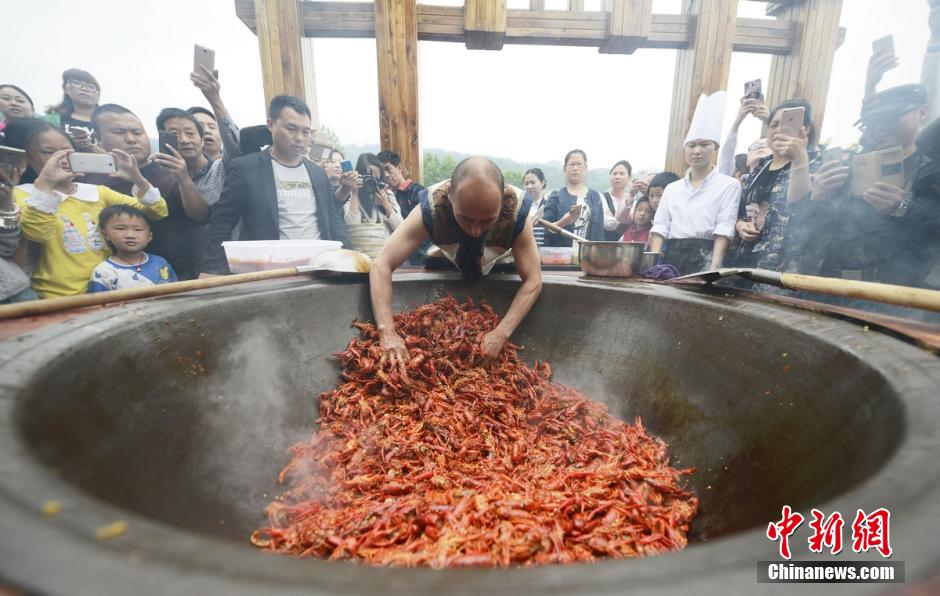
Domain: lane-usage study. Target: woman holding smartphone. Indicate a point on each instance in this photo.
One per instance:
(80, 95)
(575, 207)
(61, 215)
(772, 220)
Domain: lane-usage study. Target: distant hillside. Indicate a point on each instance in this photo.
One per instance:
(437, 160)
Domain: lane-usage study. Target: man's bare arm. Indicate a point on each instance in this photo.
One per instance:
(525, 253)
(403, 241)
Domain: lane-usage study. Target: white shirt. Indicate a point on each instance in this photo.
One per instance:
(704, 212)
(610, 217)
(296, 202)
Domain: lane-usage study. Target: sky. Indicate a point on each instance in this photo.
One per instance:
(529, 103)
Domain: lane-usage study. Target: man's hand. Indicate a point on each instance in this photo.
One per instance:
(879, 63)
(127, 170)
(884, 197)
(828, 180)
(747, 230)
(207, 82)
(174, 163)
(493, 343)
(395, 351)
(55, 172)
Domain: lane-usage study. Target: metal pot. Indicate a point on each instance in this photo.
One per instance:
(605, 259)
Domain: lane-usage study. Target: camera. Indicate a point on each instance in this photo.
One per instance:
(372, 185)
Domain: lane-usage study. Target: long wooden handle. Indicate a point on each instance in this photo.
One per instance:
(42, 307)
(866, 290)
(560, 230)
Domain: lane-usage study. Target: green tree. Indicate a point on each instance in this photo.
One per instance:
(437, 168)
(513, 177)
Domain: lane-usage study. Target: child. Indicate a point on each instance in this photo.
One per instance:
(127, 232)
(639, 230)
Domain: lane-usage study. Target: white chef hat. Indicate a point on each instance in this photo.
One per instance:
(708, 118)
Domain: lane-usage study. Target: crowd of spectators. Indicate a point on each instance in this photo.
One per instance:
(787, 204)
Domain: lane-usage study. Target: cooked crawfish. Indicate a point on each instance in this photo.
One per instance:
(462, 464)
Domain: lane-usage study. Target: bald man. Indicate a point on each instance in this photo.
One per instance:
(475, 220)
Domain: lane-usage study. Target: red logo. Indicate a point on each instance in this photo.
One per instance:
(783, 529)
(870, 531)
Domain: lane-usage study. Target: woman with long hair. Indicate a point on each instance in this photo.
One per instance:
(80, 95)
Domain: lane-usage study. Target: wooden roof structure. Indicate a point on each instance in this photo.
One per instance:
(802, 38)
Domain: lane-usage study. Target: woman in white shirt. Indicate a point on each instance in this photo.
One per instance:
(616, 199)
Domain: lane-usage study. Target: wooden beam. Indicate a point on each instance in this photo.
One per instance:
(805, 72)
(702, 68)
(485, 24)
(279, 30)
(575, 5)
(396, 47)
(628, 26)
(310, 79)
(530, 27)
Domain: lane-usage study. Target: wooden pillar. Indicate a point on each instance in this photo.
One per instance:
(701, 68)
(485, 24)
(310, 79)
(628, 25)
(805, 72)
(396, 46)
(279, 32)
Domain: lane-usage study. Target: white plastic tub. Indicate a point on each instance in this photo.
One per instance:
(263, 255)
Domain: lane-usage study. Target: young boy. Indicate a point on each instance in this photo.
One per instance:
(639, 229)
(127, 232)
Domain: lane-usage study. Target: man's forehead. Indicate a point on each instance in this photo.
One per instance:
(125, 120)
(179, 123)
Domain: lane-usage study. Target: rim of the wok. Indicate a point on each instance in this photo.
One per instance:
(61, 555)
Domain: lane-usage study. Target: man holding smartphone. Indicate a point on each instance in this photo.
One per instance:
(888, 234)
(119, 128)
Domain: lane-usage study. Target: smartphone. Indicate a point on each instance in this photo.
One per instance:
(753, 90)
(11, 159)
(892, 166)
(866, 170)
(203, 57)
(832, 154)
(167, 138)
(791, 121)
(346, 165)
(883, 44)
(92, 163)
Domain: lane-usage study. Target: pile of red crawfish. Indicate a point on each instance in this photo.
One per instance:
(468, 462)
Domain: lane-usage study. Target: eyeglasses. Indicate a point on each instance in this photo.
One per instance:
(81, 84)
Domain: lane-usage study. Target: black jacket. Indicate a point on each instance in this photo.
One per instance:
(250, 194)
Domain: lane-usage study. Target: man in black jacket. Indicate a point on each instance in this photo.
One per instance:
(278, 194)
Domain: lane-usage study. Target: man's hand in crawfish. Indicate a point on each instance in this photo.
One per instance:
(395, 352)
(493, 343)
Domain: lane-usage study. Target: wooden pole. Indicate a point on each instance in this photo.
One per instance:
(396, 45)
(310, 79)
(279, 33)
(805, 72)
(485, 24)
(702, 68)
(628, 26)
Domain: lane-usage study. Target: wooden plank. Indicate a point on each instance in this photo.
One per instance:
(279, 30)
(396, 47)
(537, 27)
(628, 26)
(702, 68)
(805, 72)
(485, 24)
